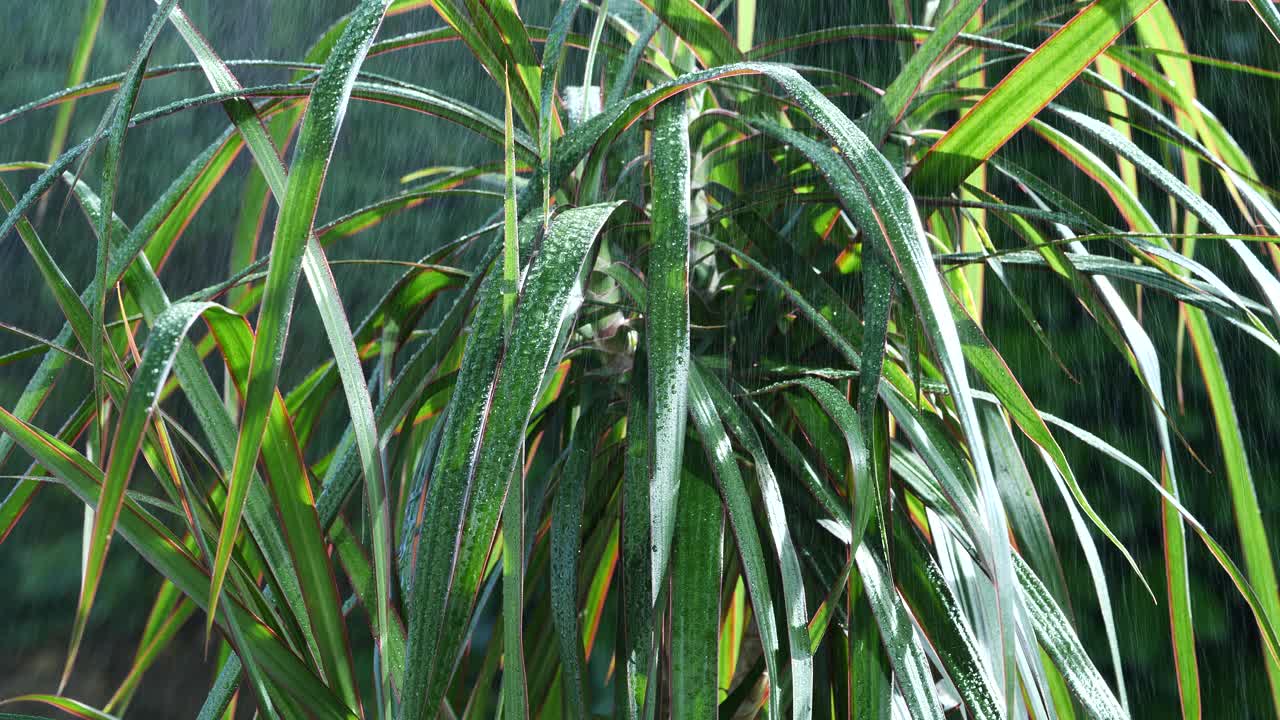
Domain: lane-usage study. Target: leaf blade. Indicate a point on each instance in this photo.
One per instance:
(1022, 93)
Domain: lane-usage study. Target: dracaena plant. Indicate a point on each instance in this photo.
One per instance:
(707, 404)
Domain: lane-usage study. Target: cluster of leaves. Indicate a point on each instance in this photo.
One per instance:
(856, 535)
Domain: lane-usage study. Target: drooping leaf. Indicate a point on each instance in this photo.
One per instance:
(800, 647)
(719, 451)
(924, 589)
(881, 206)
(899, 637)
(1060, 642)
(667, 328)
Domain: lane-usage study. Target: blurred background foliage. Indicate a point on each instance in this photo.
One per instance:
(39, 562)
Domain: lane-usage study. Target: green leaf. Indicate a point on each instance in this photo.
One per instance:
(984, 358)
(626, 73)
(293, 501)
(637, 646)
(1022, 93)
(83, 49)
(399, 400)
(1254, 540)
(1269, 16)
(566, 539)
(719, 452)
(1263, 277)
(877, 300)
(316, 139)
(801, 650)
(552, 59)
(925, 590)
(65, 704)
(1257, 554)
(588, 70)
(667, 327)
(515, 690)
(874, 196)
(165, 553)
(1146, 361)
(868, 674)
(1027, 518)
(117, 121)
(498, 39)
(142, 284)
(695, 600)
(892, 105)
(1060, 642)
(699, 29)
(510, 236)
(864, 495)
(364, 583)
(493, 400)
(162, 346)
(1261, 614)
(910, 665)
(136, 279)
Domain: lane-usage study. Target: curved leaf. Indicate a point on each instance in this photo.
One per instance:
(667, 327)
(495, 395)
(719, 451)
(293, 228)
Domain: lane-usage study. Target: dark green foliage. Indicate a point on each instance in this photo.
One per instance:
(692, 403)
